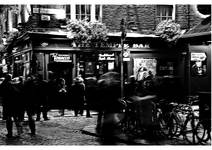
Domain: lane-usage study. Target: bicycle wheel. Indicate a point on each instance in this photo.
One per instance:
(163, 122)
(203, 132)
(189, 129)
(174, 126)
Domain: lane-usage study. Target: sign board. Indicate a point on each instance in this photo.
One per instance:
(62, 57)
(106, 56)
(198, 64)
(126, 55)
(198, 56)
(45, 17)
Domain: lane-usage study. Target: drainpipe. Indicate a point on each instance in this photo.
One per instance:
(188, 14)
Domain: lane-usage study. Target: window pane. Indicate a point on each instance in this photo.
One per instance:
(82, 17)
(163, 12)
(78, 17)
(68, 11)
(97, 15)
(170, 11)
(82, 9)
(88, 17)
(88, 9)
(77, 9)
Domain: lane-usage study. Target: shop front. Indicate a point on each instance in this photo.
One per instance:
(197, 43)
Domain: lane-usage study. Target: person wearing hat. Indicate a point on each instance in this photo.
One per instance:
(78, 95)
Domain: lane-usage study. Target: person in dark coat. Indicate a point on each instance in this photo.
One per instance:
(62, 94)
(90, 94)
(78, 95)
(11, 105)
(30, 103)
(111, 105)
(41, 92)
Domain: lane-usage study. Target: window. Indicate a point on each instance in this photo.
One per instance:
(164, 12)
(97, 12)
(83, 12)
(68, 11)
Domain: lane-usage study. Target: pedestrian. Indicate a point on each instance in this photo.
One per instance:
(62, 94)
(20, 86)
(78, 95)
(30, 102)
(111, 106)
(90, 94)
(41, 92)
(52, 90)
(130, 87)
(11, 105)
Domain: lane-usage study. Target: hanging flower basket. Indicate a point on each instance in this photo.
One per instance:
(87, 34)
(169, 31)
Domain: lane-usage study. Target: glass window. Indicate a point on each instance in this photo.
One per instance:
(97, 12)
(83, 12)
(164, 12)
(68, 11)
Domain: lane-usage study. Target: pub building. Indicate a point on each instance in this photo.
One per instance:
(197, 50)
(44, 48)
(52, 52)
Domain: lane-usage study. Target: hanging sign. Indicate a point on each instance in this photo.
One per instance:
(126, 55)
(61, 57)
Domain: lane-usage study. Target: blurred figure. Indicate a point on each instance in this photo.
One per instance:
(111, 106)
(42, 104)
(78, 95)
(30, 102)
(130, 87)
(90, 94)
(52, 90)
(11, 105)
(20, 86)
(62, 93)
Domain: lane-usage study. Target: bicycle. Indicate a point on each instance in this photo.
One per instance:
(203, 131)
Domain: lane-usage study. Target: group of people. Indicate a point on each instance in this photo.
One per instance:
(35, 96)
(19, 96)
(75, 96)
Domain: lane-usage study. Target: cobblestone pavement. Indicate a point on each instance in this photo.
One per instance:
(59, 130)
(67, 130)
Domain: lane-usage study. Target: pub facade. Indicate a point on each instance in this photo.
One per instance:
(44, 48)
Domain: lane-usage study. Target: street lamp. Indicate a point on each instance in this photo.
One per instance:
(123, 35)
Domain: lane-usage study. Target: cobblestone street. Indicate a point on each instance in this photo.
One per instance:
(69, 130)
(58, 130)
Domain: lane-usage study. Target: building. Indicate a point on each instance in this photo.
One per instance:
(42, 45)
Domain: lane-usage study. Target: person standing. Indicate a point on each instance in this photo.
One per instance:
(40, 87)
(30, 103)
(11, 106)
(78, 95)
(90, 94)
(62, 94)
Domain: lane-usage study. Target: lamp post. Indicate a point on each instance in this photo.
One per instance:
(123, 35)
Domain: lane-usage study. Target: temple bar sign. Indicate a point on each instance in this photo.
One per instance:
(61, 57)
